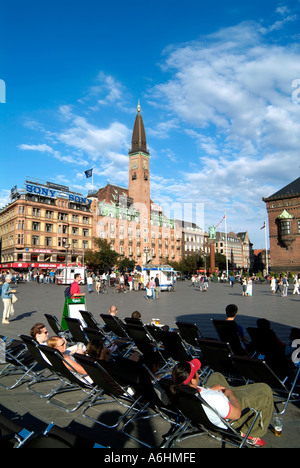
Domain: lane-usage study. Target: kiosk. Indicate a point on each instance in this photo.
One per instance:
(71, 309)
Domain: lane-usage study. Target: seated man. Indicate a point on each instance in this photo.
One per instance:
(231, 312)
(228, 403)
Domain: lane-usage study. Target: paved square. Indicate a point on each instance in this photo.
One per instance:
(187, 303)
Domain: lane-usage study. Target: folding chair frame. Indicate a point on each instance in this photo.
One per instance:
(195, 425)
(257, 370)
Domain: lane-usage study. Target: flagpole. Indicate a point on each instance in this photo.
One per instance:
(92, 180)
(226, 246)
(267, 259)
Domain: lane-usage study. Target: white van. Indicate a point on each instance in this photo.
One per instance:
(66, 275)
(167, 275)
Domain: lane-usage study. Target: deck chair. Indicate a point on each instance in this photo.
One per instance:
(228, 332)
(76, 329)
(154, 403)
(16, 362)
(89, 319)
(153, 354)
(133, 321)
(56, 327)
(267, 344)
(115, 325)
(45, 371)
(12, 434)
(70, 380)
(142, 339)
(118, 330)
(93, 334)
(197, 423)
(190, 333)
(109, 389)
(257, 370)
(215, 355)
(174, 346)
(153, 330)
(56, 437)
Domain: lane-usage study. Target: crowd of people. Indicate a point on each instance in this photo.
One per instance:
(125, 282)
(224, 402)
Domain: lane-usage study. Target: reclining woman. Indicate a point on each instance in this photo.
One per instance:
(60, 344)
(229, 403)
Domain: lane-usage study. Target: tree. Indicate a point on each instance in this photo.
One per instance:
(126, 264)
(103, 257)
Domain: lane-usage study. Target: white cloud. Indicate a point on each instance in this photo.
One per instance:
(4, 197)
(42, 148)
(232, 92)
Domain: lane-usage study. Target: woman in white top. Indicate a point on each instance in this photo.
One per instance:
(273, 285)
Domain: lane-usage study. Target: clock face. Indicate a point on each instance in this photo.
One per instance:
(145, 164)
(134, 164)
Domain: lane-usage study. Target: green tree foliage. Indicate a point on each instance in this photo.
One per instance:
(102, 258)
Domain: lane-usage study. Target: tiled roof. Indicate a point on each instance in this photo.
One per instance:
(289, 190)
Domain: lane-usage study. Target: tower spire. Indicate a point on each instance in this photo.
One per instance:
(139, 142)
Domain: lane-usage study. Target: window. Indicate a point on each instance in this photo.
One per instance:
(35, 226)
(36, 212)
(49, 214)
(62, 216)
(35, 240)
(48, 227)
(20, 239)
(48, 241)
(285, 228)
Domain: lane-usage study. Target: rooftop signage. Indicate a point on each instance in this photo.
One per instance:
(49, 192)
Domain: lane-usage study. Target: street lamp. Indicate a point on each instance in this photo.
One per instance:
(146, 251)
(67, 246)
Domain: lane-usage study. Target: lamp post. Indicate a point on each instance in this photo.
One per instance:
(67, 246)
(146, 251)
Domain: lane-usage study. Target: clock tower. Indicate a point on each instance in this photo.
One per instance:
(139, 174)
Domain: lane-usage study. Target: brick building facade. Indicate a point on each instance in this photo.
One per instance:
(135, 226)
(283, 209)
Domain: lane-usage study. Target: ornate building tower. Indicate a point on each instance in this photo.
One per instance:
(139, 174)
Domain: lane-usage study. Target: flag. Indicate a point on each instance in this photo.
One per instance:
(224, 217)
(88, 173)
(263, 226)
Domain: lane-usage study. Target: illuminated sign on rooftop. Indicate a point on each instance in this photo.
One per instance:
(49, 192)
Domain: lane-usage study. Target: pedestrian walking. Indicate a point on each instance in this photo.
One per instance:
(157, 286)
(273, 285)
(90, 283)
(285, 285)
(296, 285)
(7, 299)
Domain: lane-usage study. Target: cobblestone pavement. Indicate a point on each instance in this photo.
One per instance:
(186, 303)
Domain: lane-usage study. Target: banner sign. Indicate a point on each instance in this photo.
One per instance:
(48, 192)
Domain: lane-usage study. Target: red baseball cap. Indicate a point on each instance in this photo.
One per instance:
(195, 366)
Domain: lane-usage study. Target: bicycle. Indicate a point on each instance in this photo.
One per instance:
(103, 288)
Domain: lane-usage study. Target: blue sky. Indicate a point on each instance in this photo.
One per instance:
(218, 82)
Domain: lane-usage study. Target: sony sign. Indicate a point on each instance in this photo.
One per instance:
(47, 192)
